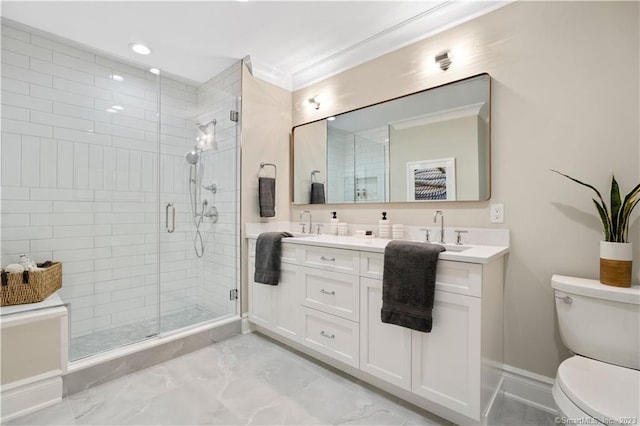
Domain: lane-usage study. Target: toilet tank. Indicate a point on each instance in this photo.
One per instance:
(599, 321)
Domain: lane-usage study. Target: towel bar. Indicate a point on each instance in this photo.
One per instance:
(275, 169)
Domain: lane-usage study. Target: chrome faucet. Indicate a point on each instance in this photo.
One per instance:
(435, 220)
(310, 223)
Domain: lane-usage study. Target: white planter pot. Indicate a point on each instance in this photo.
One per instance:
(616, 251)
(615, 263)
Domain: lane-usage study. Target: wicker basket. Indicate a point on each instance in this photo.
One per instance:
(31, 287)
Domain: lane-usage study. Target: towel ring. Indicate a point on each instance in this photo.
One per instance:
(313, 175)
(275, 169)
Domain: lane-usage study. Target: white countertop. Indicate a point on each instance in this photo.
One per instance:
(471, 253)
(50, 302)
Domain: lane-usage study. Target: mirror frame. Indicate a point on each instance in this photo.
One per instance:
(489, 150)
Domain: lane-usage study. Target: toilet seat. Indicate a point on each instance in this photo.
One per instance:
(606, 392)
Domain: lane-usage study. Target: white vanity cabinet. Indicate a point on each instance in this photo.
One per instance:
(445, 364)
(385, 349)
(277, 307)
(316, 301)
(336, 295)
(331, 301)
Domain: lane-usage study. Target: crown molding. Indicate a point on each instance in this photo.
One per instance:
(439, 18)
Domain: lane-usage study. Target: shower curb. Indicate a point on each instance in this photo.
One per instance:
(82, 379)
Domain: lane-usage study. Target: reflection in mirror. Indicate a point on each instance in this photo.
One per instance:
(429, 146)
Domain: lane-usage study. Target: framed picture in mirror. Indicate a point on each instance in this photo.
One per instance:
(431, 180)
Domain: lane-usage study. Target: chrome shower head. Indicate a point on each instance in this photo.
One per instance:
(204, 128)
(192, 157)
(207, 137)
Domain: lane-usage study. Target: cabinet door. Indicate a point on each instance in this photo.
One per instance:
(385, 349)
(286, 300)
(446, 362)
(261, 306)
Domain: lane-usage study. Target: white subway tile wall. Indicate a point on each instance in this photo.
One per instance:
(216, 98)
(356, 165)
(81, 184)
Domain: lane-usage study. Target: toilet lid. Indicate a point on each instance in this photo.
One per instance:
(604, 391)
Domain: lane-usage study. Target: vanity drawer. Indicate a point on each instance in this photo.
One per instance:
(336, 337)
(453, 277)
(330, 259)
(289, 251)
(371, 264)
(331, 292)
(459, 277)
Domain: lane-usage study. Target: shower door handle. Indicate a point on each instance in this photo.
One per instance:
(173, 217)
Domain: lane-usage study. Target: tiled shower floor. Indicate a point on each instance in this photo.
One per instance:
(104, 340)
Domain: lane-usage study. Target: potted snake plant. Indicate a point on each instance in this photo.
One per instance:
(616, 252)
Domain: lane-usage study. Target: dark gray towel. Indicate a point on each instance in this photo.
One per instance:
(268, 252)
(317, 193)
(409, 283)
(267, 196)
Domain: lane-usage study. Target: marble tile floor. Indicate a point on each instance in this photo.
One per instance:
(247, 380)
(104, 340)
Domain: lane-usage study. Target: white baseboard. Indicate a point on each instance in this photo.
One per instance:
(33, 394)
(528, 388)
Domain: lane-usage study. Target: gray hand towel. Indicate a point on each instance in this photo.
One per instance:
(267, 196)
(268, 252)
(408, 284)
(317, 193)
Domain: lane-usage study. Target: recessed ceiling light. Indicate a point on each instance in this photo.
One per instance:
(155, 71)
(331, 118)
(117, 77)
(140, 48)
(111, 110)
(117, 107)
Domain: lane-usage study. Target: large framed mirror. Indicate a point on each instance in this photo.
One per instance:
(432, 145)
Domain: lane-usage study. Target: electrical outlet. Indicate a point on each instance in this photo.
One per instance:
(497, 213)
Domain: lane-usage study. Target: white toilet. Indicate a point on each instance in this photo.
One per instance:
(601, 325)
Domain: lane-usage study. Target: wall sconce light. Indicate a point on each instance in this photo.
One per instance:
(443, 59)
(315, 101)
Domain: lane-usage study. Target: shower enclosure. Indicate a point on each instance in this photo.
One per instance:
(132, 182)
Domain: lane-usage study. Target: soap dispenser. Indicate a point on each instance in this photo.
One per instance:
(333, 224)
(384, 226)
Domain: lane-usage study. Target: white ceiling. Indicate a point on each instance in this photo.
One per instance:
(291, 43)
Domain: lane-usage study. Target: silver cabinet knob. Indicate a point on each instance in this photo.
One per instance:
(328, 336)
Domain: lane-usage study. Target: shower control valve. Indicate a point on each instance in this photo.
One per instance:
(213, 188)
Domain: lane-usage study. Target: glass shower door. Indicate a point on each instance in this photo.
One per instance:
(112, 283)
(199, 231)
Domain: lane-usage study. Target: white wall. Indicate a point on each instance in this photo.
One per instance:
(266, 131)
(564, 96)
